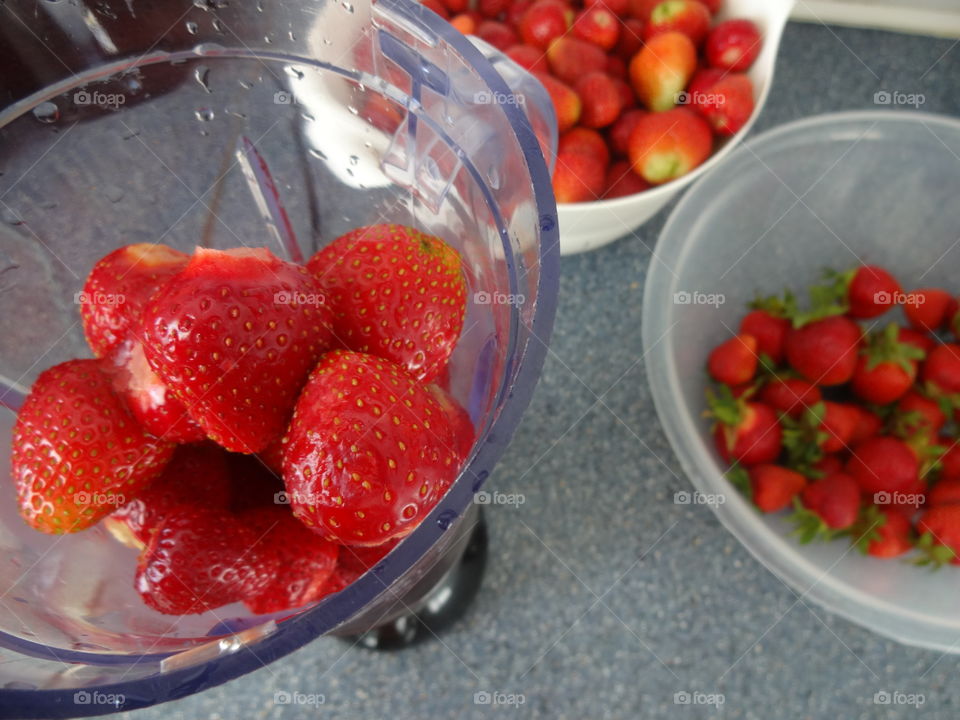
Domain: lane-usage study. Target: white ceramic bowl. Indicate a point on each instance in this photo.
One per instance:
(587, 226)
(832, 190)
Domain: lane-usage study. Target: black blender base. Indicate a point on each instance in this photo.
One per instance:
(442, 607)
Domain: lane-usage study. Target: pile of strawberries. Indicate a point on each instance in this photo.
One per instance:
(261, 431)
(641, 88)
(847, 418)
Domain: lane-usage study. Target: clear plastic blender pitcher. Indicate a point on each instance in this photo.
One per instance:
(258, 124)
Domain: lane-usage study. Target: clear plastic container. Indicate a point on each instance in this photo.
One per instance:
(833, 190)
(363, 113)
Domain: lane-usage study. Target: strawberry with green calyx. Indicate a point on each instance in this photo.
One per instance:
(927, 451)
(950, 460)
(929, 309)
(883, 464)
(824, 351)
(917, 339)
(790, 395)
(882, 532)
(946, 491)
(867, 291)
(941, 376)
(746, 431)
(734, 361)
(774, 487)
(767, 322)
(826, 507)
(939, 541)
(825, 427)
(886, 368)
(914, 413)
(739, 477)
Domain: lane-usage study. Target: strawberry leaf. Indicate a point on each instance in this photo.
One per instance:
(740, 479)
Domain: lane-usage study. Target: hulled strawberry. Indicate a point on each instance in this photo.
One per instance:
(234, 336)
(199, 559)
(396, 293)
(306, 560)
(196, 475)
(369, 450)
(118, 288)
(77, 452)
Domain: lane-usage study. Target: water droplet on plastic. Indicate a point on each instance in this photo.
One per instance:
(245, 85)
(235, 113)
(202, 75)
(46, 112)
(192, 27)
(493, 177)
(308, 117)
(208, 48)
(217, 25)
(293, 72)
(205, 133)
(319, 154)
(267, 40)
(113, 193)
(354, 160)
(353, 110)
(259, 5)
(10, 216)
(327, 41)
(547, 223)
(445, 519)
(205, 114)
(348, 7)
(48, 204)
(292, 36)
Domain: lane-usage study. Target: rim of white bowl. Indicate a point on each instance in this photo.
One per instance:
(785, 560)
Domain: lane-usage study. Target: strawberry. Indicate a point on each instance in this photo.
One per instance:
(734, 361)
(950, 461)
(727, 105)
(886, 368)
(598, 25)
(832, 502)
(199, 559)
(617, 7)
(733, 45)
(623, 181)
(790, 395)
(437, 7)
(631, 39)
(306, 560)
(871, 291)
(529, 58)
(745, 431)
(601, 99)
(570, 59)
(867, 425)
(774, 487)
(769, 329)
(492, 8)
(369, 451)
(667, 145)
(946, 491)
(150, 401)
(825, 351)
(939, 529)
(918, 413)
(118, 287)
(883, 464)
(827, 465)
(662, 69)
(839, 422)
(642, 9)
(929, 308)
(941, 370)
(584, 140)
(883, 533)
(689, 17)
(578, 177)
(196, 475)
(701, 82)
(825, 427)
(619, 132)
(617, 68)
(397, 293)
(77, 452)
(498, 34)
(357, 560)
(516, 11)
(544, 21)
(461, 426)
(466, 23)
(233, 336)
(917, 339)
(566, 103)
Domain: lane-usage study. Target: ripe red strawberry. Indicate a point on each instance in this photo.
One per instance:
(77, 452)
(734, 361)
(396, 293)
(916, 338)
(840, 422)
(498, 34)
(196, 475)
(884, 533)
(118, 287)
(570, 59)
(941, 370)
(461, 426)
(886, 368)
(601, 99)
(617, 68)
(950, 460)
(566, 102)
(774, 487)
(437, 7)
(578, 177)
(585, 140)
(631, 39)
(824, 351)
(701, 82)
(883, 464)
(929, 308)
(233, 337)
(769, 329)
(623, 181)
(617, 7)
(871, 291)
(306, 560)
(733, 45)
(150, 401)
(747, 432)
(544, 21)
(199, 559)
(828, 465)
(944, 492)
(492, 8)
(727, 105)
(665, 145)
(598, 25)
(689, 17)
(939, 529)
(529, 58)
(918, 413)
(369, 451)
(790, 395)
(868, 425)
(619, 132)
(834, 499)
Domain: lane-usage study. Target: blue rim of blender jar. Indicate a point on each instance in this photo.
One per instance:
(523, 371)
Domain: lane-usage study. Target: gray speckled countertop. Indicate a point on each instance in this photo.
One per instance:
(603, 598)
